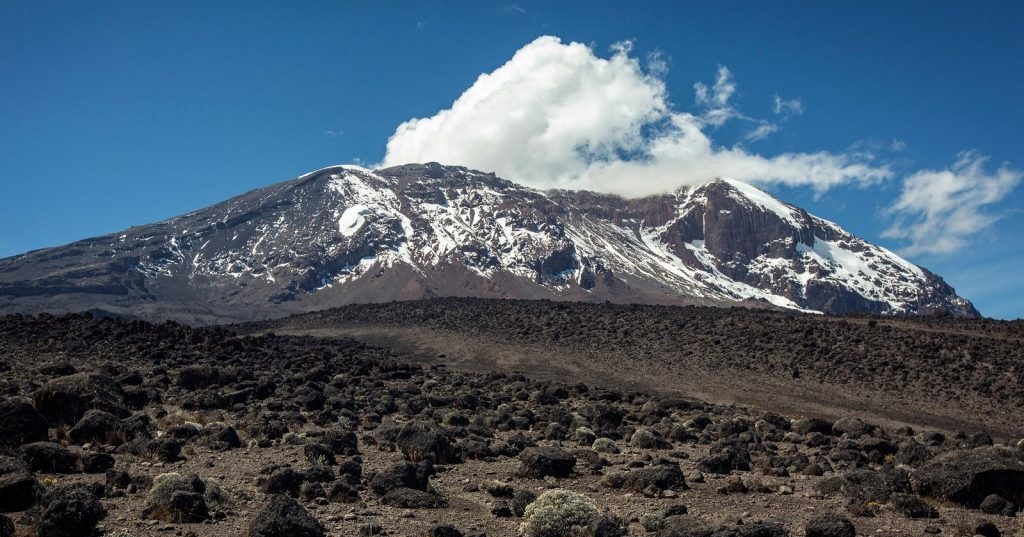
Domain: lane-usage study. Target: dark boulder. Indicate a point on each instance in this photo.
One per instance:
(282, 516)
(20, 423)
(319, 455)
(96, 463)
(444, 530)
(912, 506)
(609, 525)
(50, 458)
(70, 512)
(19, 490)
(829, 524)
(994, 504)
(546, 461)
(342, 492)
(865, 486)
(422, 440)
(852, 427)
(724, 459)
(351, 471)
(984, 528)
(284, 480)
(6, 526)
(177, 498)
(219, 437)
(660, 477)
(649, 439)
(685, 526)
(65, 400)
(407, 498)
(912, 453)
(342, 442)
(198, 376)
(812, 425)
(165, 449)
(967, 477)
(97, 426)
(402, 474)
(761, 529)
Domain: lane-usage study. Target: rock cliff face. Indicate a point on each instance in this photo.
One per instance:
(345, 234)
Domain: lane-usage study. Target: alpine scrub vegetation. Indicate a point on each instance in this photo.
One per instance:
(559, 513)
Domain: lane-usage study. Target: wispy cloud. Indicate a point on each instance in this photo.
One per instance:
(515, 8)
(761, 131)
(333, 133)
(939, 211)
(715, 99)
(783, 107)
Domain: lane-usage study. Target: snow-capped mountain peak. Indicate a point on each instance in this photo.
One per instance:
(347, 234)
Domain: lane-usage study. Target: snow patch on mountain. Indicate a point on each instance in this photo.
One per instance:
(352, 219)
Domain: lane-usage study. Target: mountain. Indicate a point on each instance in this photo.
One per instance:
(346, 234)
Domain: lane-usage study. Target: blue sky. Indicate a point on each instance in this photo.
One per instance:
(121, 113)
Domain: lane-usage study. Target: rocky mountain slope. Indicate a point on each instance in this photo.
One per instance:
(346, 234)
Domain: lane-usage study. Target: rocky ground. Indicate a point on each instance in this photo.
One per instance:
(940, 372)
(128, 428)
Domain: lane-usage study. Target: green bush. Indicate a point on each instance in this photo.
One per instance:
(604, 445)
(559, 513)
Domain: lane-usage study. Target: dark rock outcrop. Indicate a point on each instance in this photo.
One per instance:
(969, 476)
(66, 399)
(283, 516)
(20, 423)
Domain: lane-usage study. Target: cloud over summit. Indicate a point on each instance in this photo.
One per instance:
(557, 115)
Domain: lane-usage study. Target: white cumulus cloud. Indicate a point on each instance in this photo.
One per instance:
(938, 211)
(557, 115)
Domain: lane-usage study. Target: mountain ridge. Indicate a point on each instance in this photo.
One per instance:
(346, 234)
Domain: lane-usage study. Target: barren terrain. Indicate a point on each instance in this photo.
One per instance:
(942, 372)
(143, 429)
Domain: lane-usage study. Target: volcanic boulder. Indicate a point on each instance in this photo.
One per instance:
(969, 476)
(282, 516)
(66, 399)
(20, 424)
(421, 440)
(70, 512)
(546, 461)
